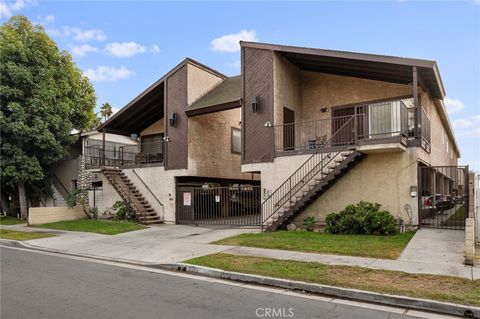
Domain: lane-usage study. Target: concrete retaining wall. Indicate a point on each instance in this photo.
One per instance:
(42, 215)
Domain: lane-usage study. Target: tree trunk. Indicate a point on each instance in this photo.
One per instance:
(5, 204)
(22, 197)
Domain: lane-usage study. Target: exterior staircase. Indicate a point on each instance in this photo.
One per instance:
(58, 198)
(310, 190)
(330, 161)
(131, 196)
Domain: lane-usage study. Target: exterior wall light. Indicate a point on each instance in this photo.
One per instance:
(173, 119)
(255, 103)
(268, 124)
(324, 109)
(166, 139)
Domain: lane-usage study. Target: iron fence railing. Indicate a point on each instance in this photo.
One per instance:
(380, 120)
(236, 205)
(312, 167)
(125, 155)
(443, 196)
(425, 132)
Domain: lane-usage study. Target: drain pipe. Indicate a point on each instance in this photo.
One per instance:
(401, 225)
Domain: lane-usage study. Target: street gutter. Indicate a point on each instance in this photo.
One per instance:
(345, 293)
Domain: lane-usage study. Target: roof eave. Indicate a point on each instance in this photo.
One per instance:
(155, 85)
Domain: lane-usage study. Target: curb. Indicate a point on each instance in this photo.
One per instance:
(20, 244)
(345, 293)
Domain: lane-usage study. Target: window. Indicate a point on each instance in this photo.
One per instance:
(236, 140)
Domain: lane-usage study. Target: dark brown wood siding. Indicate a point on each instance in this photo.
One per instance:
(258, 140)
(176, 101)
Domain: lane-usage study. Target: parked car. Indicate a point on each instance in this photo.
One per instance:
(242, 203)
(442, 202)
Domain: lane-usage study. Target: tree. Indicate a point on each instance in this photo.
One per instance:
(43, 97)
(106, 110)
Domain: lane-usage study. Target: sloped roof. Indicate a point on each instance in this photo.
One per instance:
(147, 107)
(226, 92)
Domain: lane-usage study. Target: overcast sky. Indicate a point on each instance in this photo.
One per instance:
(124, 46)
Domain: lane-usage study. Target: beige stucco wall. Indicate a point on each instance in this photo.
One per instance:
(209, 145)
(162, 183)
(287, 88)
(380, 177)
(440, 154)
(327, 90)
(43, 215)
(113, 138)
(307, 92)
(142, 183)
(273, 174)
(383, 178)
(156, 128)
(200, 81)
(105, 198)
(66, 171)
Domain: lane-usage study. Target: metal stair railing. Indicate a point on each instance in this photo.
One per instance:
(125, 195)
(148, 188)
(308, 170)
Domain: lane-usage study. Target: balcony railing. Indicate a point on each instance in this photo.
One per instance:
(377, 123)
(125, 155)
(425, 136)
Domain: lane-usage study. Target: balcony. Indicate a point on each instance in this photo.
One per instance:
(124, 156)
(385, 126)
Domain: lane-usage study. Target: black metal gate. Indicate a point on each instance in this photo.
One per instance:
(443, 196)
(230, 206)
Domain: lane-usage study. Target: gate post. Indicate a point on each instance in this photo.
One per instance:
(469, 241)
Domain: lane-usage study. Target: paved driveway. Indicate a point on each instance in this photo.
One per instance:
(157, 244)
(442, 246)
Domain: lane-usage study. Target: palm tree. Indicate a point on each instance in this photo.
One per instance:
(97, 121)
(106, 110)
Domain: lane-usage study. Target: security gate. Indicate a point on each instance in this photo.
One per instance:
(443, 196)
(230, 206)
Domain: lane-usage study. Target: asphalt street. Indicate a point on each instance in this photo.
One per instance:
(36, 285)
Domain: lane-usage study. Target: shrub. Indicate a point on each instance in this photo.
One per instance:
(93, 212)
(78, 196)
(309, 222)
(362, 218)
(123, 212)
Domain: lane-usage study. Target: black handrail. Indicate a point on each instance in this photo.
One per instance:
(63, 190)
(127, 197)
(307, 171)
(146, 186)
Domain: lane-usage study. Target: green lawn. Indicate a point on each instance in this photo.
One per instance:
(94, 226)
(22, 235)
(443, 288)
(7, 220)
(389, 247)
(459, 215)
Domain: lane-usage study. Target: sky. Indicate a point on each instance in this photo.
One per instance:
(125, 46)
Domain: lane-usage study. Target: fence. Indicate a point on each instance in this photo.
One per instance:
(443, 197)
(117, 155)
(375, 121)
(234, 205)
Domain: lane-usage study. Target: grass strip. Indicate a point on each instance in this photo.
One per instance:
(442, 288)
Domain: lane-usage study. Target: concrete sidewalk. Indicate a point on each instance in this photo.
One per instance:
(154, 245)
(431, 251)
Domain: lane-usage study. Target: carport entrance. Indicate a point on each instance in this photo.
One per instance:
(443, 196)
(235, 205)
